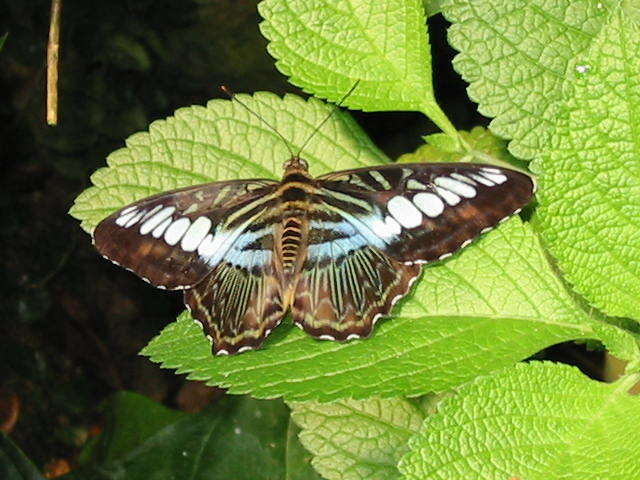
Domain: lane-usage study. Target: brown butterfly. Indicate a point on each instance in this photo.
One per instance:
(338, 250)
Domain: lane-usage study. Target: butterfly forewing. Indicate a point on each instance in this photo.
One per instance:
(425, 212)
(174, 239)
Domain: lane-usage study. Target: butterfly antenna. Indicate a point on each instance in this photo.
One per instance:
(233, 96)
(345, 96)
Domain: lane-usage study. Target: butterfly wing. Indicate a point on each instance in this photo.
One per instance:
(418, 213)
(237, 305)
(174, 239)
(371, 228)
(345, 286)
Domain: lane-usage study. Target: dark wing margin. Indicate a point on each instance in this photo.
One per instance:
(425, 212)
(172, 240)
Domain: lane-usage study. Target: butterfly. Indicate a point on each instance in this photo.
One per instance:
(337, 251)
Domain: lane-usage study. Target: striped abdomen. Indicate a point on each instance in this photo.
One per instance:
(291, 242)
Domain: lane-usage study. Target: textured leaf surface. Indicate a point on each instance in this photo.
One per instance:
(325, 46)
(536, 421)
(589, 212)
(516, 55)
(236, 438)
(298, 459)
(357, 439)
(480, 145)
(223, 141)
(493, 304)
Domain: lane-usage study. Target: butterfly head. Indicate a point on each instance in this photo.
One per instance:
(295, 165)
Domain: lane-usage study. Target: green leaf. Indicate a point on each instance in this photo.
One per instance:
(298, 460)
(131, 420)
(14, 465)
(357, 439)
(516, 55)
(480, 145)
(223, 141)
(432, 7)
(325, 46)
(238, 438)
(590, 176)
(495, 303)
(536, 421)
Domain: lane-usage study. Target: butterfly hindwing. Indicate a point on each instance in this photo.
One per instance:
(341, 296)
(174, 239)
(419, 213)
(237, 306)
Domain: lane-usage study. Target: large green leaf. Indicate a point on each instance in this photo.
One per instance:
(589, 213)
(239, 438)
(325, 46)
(535, 421)
(516, 55)
(358, 439)
(131, 419)
(223, 141)
(494, 304)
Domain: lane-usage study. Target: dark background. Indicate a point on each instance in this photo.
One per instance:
(72, 323)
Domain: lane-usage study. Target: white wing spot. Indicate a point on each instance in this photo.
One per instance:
(159, 230)
(128, 209)
(176, 230)
(135, 219)
(413, 184)
(395, 299)
(245, 348)
(483, 180)
(517, 211)
(326, 337)
(353, 336)
(486, 229)
(387, 228)
(404, 212)
(491, 170)
(429, 203)
(205, 248)
(466, 242)
(463, 178)
(445, 255)
(459, 188)
(155, 220)
(449, 197)
(124, 218)
(221, 352)
(151, 212)
(498, 178)
(196, 234)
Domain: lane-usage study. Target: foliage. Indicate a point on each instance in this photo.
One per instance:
(560, 80)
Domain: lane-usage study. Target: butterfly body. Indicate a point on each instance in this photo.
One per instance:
(338, 250)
